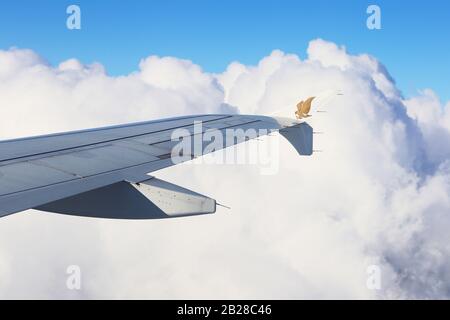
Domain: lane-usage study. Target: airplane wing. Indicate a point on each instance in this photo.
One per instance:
(103, 172)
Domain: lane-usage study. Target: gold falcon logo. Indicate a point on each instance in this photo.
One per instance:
(303, 108)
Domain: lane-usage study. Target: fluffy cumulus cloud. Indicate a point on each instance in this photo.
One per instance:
(378, 194)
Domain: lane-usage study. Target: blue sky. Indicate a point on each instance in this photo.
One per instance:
(414, 42)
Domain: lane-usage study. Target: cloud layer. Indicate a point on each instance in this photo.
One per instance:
(379, 194)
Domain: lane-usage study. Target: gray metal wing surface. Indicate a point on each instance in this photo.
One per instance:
(103, 172)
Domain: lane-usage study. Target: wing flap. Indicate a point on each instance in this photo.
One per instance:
(26, 175)
(95, 161)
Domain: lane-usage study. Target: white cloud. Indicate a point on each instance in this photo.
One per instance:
(378, 194)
